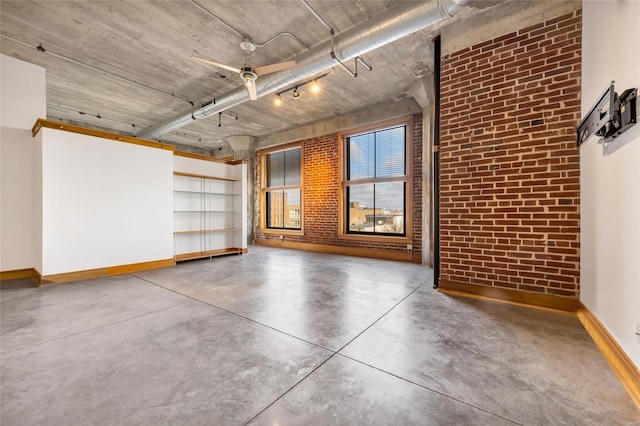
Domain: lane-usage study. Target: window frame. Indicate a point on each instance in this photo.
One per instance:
(264, 228)
(343, 231)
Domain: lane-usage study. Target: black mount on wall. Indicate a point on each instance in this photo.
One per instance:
(610, 116)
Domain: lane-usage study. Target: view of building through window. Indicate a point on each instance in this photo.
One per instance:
(283, 192)
(376, 182)
(284, 209)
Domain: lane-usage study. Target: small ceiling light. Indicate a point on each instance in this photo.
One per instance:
(277, 101)
(314, 87)
(296, 94)
(248, 80)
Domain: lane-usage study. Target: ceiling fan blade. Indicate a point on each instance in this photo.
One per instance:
(252, 91)
(267, 69)
(210, 62)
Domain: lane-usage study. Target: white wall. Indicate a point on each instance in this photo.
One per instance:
(17, 202)
(610, 177)
(22, 102)
(105, 203)
(207, 168)
(23, 93)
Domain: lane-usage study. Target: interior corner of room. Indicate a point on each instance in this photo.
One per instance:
(456, 151)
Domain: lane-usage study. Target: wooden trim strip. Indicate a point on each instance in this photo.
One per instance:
(105, 272)
(282, 231)
(208, 253)
(350, 251)
(138, 267)
(381, 238)
(58, 125)
(204, 176)
(618, 360)
(202, 157)
(16, 274)
(37, 277)
(516, 297)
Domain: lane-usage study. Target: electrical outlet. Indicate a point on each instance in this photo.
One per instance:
(281, 238)
(409, 246)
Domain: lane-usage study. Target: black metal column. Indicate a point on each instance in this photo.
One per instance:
(436, 163)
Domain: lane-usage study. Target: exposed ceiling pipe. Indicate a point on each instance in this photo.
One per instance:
(383, 29)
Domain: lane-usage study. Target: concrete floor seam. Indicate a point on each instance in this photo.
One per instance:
(92, 329)
(429, 389)
(290, 389)
(332, 355)
(414, 355)
(382, 316)
(236, 314)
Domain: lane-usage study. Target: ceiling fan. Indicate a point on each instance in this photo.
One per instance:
(249, 74)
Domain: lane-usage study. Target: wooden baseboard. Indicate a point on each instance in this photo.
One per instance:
(619, 361)
(37, 277)
(104, 272)
(349, 251)
(505, 295)
(210, 253)
(16, 274)
(21, 274)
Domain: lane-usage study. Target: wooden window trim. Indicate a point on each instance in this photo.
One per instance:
(263, 190)
(342, 170)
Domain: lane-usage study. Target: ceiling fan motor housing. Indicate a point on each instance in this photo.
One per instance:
(248, 75)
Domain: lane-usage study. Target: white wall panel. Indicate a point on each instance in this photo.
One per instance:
(17, 204)
(23, 90)
(22, 101)
(610, 177)
(105, 203)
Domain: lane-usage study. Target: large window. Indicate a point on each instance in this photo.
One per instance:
(375, 182)
(281, 187)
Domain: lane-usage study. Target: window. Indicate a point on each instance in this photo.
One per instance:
(376, 181)
(282, 189)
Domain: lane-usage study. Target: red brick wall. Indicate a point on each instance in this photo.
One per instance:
(321, 191)
(509, 164)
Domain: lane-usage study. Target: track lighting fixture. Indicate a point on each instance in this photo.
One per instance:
(315, 88)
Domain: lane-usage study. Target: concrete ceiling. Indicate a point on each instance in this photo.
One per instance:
(128, 61)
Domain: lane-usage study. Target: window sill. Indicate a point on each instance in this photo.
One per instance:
(272, 231)
(376, 238)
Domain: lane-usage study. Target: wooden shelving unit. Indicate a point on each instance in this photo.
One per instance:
(206, 216)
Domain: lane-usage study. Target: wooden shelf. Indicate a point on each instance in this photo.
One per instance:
(206, 216)
(193, 175)
(206, 231)
(209, 253)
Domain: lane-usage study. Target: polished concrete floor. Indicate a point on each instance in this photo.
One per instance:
(283, 337)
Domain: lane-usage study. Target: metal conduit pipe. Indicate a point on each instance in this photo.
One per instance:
(318, 17)
(383, 29)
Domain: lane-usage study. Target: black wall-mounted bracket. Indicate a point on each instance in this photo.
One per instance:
(610, 116)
